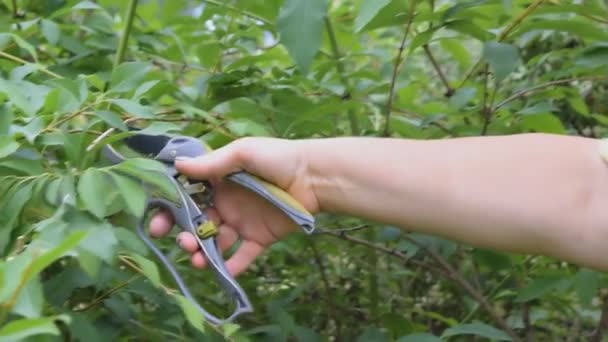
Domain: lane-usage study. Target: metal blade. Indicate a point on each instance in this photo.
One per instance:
(150, 145)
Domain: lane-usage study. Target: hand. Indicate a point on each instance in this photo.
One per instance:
(238, 212)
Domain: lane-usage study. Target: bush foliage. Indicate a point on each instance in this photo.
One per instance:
(75, 74)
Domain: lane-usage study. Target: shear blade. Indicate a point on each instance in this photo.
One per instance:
(147, 144)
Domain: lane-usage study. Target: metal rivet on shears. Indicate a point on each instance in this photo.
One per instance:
(173, 153)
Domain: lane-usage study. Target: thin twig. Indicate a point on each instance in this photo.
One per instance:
(485, 109)
(451, 273)
(337, 55)
(449, 90)
(526, 319)
(503, 35)
(342, 230)
(107, 294)
(24, 62)
(536, 88)
(394, 252)
(396, 67)
(239, 11)
(331, 307)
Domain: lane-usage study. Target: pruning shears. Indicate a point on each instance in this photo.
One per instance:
(189, 216)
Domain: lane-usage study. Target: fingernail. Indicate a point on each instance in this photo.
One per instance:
(180, 242)
(182, 158)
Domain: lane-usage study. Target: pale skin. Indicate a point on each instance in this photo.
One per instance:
(530, 193)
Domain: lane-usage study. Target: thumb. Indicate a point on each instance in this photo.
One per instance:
(215, 164)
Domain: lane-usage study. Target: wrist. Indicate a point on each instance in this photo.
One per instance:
(324, 174)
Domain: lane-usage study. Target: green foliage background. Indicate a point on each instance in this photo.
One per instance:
(72, 268)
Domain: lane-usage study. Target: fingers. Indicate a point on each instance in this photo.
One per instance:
(160, 224)
(216, 164)
(239, 262)
(225, 239)
(243, 257)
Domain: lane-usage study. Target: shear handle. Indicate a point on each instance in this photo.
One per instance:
(188, 217)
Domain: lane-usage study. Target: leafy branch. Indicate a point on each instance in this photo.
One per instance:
(503, 35)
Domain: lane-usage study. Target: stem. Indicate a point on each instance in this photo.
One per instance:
(503, 35)
(331, 307)
(370, 235)
(22, 61)
(122, 45)
(15, 9)
(107, 294)
(546, 85)
(485, 110)
(449, 90)
(354, 124)
(398, 60)
(239, 11)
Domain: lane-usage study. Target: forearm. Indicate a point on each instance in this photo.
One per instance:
(526, 193)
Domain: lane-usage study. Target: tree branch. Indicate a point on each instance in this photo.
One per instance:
(396, 66)
(449, 90)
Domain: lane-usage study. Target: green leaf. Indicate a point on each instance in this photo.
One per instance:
(152, 172)
(586, 283)
(24, 95)
(584, 30)
(477, 329)
(419, 337)
(133, 108)
(99, 242)
(59, 251)
(92, 189)
(148, 268)
(540, 286)
(12, 211)
(50, 30)
(300, 24)
(22, 43)
(127, 76)
(132, 192)
(462, 97)
(25, 328)
(7, 146)
(30, 300)
(545, 123)
(502, 57)
(144, 88)
(368, 10)
(111, 119)
(193, 316)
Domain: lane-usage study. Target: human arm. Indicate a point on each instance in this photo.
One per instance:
(528, 193)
